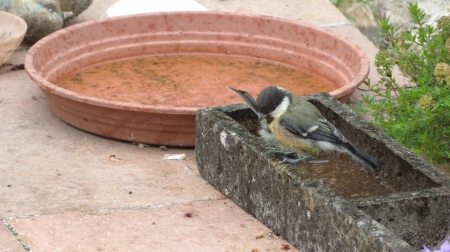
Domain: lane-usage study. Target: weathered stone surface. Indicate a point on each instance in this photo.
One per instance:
(397, 11)
(305, 211)
(43, 17)
(421, 217)
(75, 6)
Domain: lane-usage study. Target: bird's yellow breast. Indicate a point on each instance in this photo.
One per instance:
(289, 139)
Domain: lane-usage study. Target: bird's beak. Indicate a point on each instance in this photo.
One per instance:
(261, 117)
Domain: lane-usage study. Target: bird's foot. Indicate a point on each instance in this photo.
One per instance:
(289, 154)
(287, 160)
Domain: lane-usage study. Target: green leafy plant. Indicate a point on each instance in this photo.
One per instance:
(417, 115)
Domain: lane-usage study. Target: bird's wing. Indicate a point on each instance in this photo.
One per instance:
(335, 131)
(309, 123)
(248, 98)
(320, 131)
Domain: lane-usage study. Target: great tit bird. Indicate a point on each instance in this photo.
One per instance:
(266, 135)
(300, 127)
(297, 123)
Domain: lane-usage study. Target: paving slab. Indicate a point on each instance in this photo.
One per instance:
(200, 226)
(311, 12)
(9, 243)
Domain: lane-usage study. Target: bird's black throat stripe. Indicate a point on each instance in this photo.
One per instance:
(269, 119)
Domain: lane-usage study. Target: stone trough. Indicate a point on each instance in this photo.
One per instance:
(408, 208)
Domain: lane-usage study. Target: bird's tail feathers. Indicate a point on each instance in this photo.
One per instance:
(363, 158)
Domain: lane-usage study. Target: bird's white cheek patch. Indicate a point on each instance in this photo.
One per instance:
(281, 108)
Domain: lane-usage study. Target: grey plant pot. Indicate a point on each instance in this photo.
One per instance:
(308, 212)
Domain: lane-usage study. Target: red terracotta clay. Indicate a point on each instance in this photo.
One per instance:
(12, 31)
(311, 49)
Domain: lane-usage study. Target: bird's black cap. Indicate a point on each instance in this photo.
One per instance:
(270, 98)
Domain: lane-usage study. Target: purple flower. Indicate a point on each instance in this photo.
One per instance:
(445, 247)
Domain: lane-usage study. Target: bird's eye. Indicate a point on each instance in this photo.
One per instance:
(272, 108)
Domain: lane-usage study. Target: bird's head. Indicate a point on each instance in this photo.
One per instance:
(273, 101)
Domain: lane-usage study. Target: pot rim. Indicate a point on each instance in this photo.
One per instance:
(18, 33)
(47, 86)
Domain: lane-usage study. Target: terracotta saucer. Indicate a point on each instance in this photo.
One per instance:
(184, 37)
